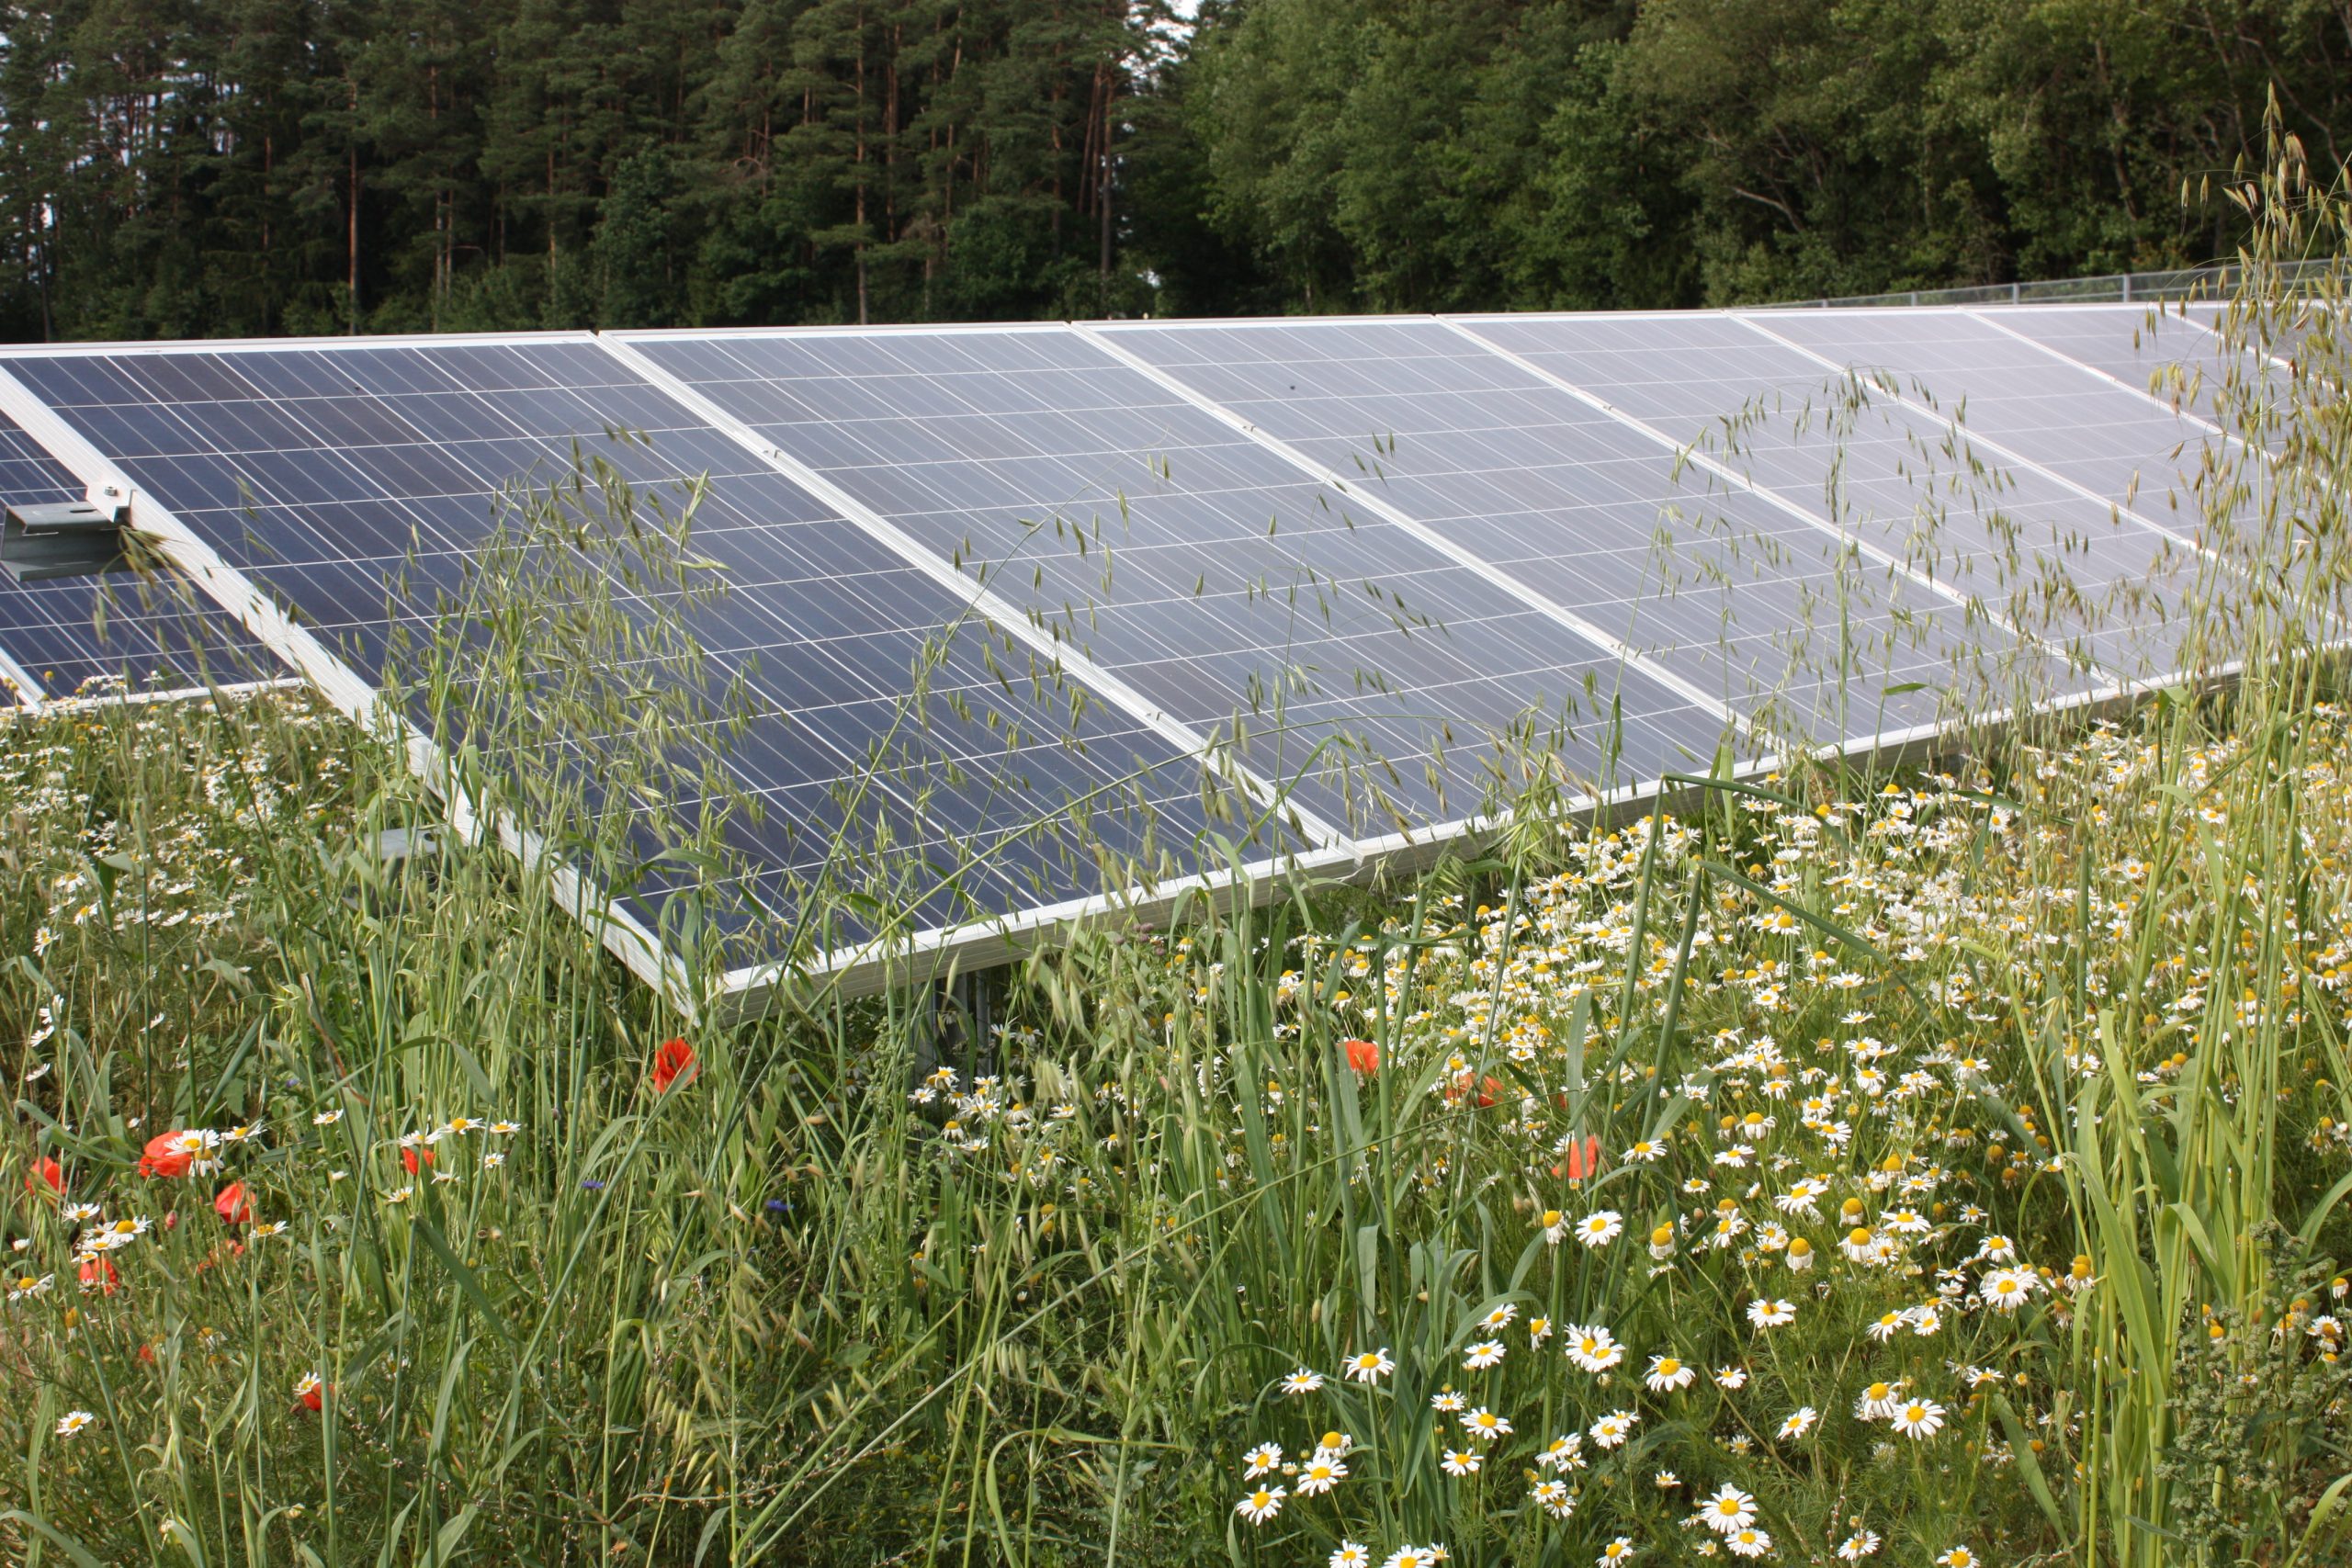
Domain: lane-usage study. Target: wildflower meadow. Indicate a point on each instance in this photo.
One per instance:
(1936, 1158)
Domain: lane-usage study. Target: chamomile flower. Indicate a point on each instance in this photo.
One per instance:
(1593, 1348)
(1564, 1452)
(1261, 1504)
(1727, 1510)
(1798, 1422)
(1370, 1366)
(1500, 1318)
(76, 1214)
(1769, 1313)
(1319, 1475)
(1553, 1497)
(1600, 1228)
(1459, 1462)
(1349, 1554)
(1539, 1329)
(1670, 1375)
(1919, 1419)
(1445, 1402)
(1265, 1457)
(2005, 1289)
(1554, 1227)
(1750, 1541)
(1875, 1402)
(504, 1128)
(1304, 1381)
(1887, 1325)
(74, 1421)
(1618, 1550)
(327, 1117)
(1613, 1429)
(1415, 1557)
(1958, 1557)
(1485, 1425)
(1858, 1545)
(1731, 1378)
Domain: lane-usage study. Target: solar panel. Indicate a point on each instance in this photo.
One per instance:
(1888, 463)
(358, 482)
(1211, 575)
(1719, 581)
(2175, 358)
(91, 637)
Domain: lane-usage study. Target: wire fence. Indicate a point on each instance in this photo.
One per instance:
(2179, 283)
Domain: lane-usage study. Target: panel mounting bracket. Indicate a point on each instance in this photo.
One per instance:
(76, 538)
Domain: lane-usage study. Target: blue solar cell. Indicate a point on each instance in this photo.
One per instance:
(91, 636)
(1189, 561)
(1710, 577)
(359, 484)
(1883, 459)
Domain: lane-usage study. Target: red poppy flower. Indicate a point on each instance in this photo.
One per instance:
(1363, 1055)
(409, 1157)
(48, 1171)
(674, 1062)
(234, 1205)
(163, 1158)
(1583, 1160)
(99, 1271)
(1490, 1089)
(147, 1354)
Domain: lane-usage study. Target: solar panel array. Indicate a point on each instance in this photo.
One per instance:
(1361, 566)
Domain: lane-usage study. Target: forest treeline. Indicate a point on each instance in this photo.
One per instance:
(197, 167)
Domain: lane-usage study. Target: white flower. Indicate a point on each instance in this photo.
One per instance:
(1564, 1452)
(1613, 1429)
(1732, 1378)
(1919, 1419)
(1349, 1554)
(1303, 1381)
(1261, 1504)
(1320, 1475)
(74, 1421)
(1262, 1459)
(1484, 1354)
(1485, 1425)
(1860, 1544)
(1668, 1375)
(1457, 1463)
(1370, 1366)
(1798, 1422)
(1553, 1497)
(1601, 1228)
(1593, 1348)
(1765, 1312)
(1748, 1542)
(2008, 1289)
(1875, 1402)
(1727, 1510)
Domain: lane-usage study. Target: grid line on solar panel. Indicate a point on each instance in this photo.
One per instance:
(943, 571)
(184, 425)
(2010, 534)
(1211, 566)
(84, 637)
(2022, 403)
(1568, 496)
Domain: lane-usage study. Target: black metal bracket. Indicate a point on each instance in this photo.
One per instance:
(77, 538)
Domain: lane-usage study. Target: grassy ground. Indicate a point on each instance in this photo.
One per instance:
(1940, 1167)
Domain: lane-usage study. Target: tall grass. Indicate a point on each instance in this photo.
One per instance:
(853, 1288)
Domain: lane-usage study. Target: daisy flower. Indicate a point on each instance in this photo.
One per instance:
(503, 1128)
(1320, 1475)
(1349, 1554)
(1415, 1557)
(1564, 1452)
(1798, 1423)
(1662, 1243)
(1539, 1329)
(1765, 1312)
(1261, 1504)
(1370, 1366)
(1732, 1378)
(74, 1421)
(1593, 1348)
(1601, 1228)
(1958, 1557)
(1333, 1445)
(1458, 1461)
(1727, 1510)
(1616, 1551)
(1919, 1419)
(1485, 1354)
(326, 1119)
(2008, 1289)
(1748, 1542)
(1262, 1459)
(1500, 1318)
(1556, 1226)
(1666, 1480)
(1613, 1429)
(1304, 1381)
(1485, 1425)
(1875, 1402)
(1884, 1328)
(1858, 1545)
(1668, 1375)
(1446, 1402)
(1800, 1254)
(1553, 1497)
(1645, 1151)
